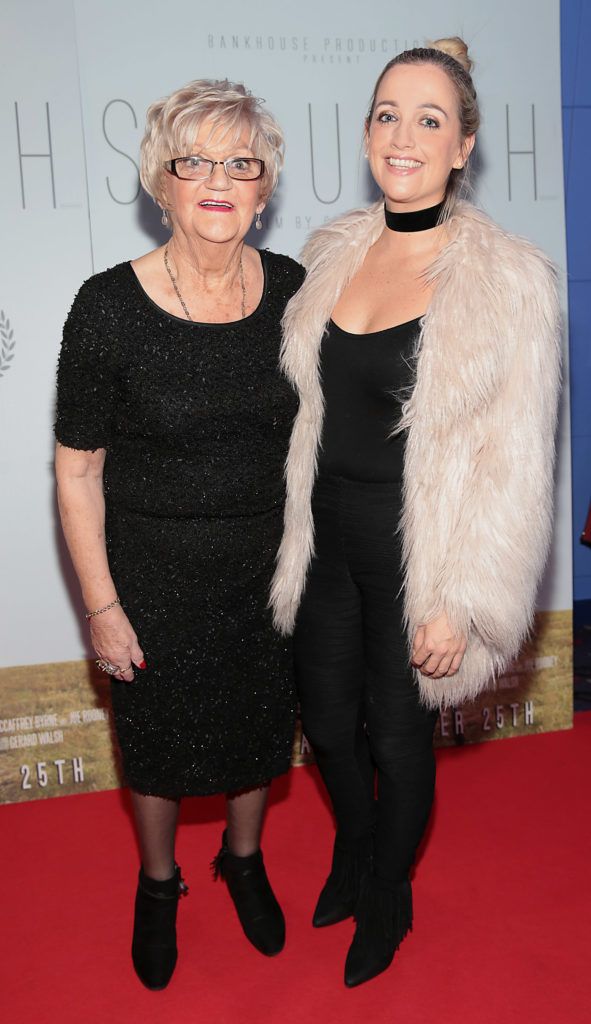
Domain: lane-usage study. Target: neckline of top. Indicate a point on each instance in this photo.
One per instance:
(215, 324)
(383, 330)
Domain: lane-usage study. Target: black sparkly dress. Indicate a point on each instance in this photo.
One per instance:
(195, 419)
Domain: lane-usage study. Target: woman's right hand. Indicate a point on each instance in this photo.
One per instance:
(114, 639)
(436, 650)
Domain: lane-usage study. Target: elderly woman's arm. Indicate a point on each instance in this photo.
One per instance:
(82, 510)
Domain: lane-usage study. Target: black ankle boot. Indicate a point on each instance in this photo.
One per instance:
(153, 949)
(259, 913)
(384, 916)
(351, 862)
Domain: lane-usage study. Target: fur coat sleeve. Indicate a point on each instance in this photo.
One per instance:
(479, 425)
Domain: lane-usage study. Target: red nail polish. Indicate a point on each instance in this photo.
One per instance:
(142, 664)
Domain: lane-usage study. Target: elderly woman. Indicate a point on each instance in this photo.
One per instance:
(424, 343)
(172, 429)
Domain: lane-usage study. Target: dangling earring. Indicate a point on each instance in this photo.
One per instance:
(164, 218)
(258, 222)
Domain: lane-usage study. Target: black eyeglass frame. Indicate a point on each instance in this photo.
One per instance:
(170, 166)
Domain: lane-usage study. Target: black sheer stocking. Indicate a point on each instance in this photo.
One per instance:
(245, 812)
(156, 819)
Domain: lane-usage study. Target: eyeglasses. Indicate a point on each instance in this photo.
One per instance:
(197, 168)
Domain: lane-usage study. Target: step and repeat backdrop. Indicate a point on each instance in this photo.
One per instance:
(77, 77)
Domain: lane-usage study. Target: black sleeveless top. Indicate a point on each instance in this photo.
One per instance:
(365, 380)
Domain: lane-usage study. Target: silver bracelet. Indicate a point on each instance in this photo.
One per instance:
(99, 611)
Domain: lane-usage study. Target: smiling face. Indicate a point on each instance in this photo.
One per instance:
(218, 208)
(413, 137)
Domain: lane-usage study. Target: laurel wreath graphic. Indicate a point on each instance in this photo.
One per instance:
(6, 343)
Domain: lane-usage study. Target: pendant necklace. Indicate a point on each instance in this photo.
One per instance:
(180, 297)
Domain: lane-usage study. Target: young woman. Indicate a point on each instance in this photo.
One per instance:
(424, 344)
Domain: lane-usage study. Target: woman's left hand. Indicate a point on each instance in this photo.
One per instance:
(436, 652)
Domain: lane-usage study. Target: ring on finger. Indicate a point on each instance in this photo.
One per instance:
(107, 666)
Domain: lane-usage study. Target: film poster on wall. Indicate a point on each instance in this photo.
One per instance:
(56, 735)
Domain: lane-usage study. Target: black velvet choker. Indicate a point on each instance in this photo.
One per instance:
(415, 220)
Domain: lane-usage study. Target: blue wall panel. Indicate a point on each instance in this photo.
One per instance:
(579, 297)
(576, 99)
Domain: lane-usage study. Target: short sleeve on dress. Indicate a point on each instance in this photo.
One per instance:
(85, 376)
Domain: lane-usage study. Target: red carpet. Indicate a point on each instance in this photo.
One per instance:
(502, 906)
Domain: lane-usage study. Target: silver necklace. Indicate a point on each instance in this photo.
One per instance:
(180, 297)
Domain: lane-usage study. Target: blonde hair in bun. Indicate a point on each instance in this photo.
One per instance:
(451, 55)
(456, 48)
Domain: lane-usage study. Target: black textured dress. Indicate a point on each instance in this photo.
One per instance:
(195, 419)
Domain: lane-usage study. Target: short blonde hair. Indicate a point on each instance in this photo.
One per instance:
(172, 124)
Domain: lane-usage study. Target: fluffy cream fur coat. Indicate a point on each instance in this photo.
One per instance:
(479, 425)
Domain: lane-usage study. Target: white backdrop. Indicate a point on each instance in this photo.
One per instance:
(77, 76)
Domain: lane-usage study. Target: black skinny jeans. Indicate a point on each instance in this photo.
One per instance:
(360, 705)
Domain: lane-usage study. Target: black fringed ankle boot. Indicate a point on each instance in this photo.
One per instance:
(351, 862)
(153, 949)
(259, 913)
(384, 917)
